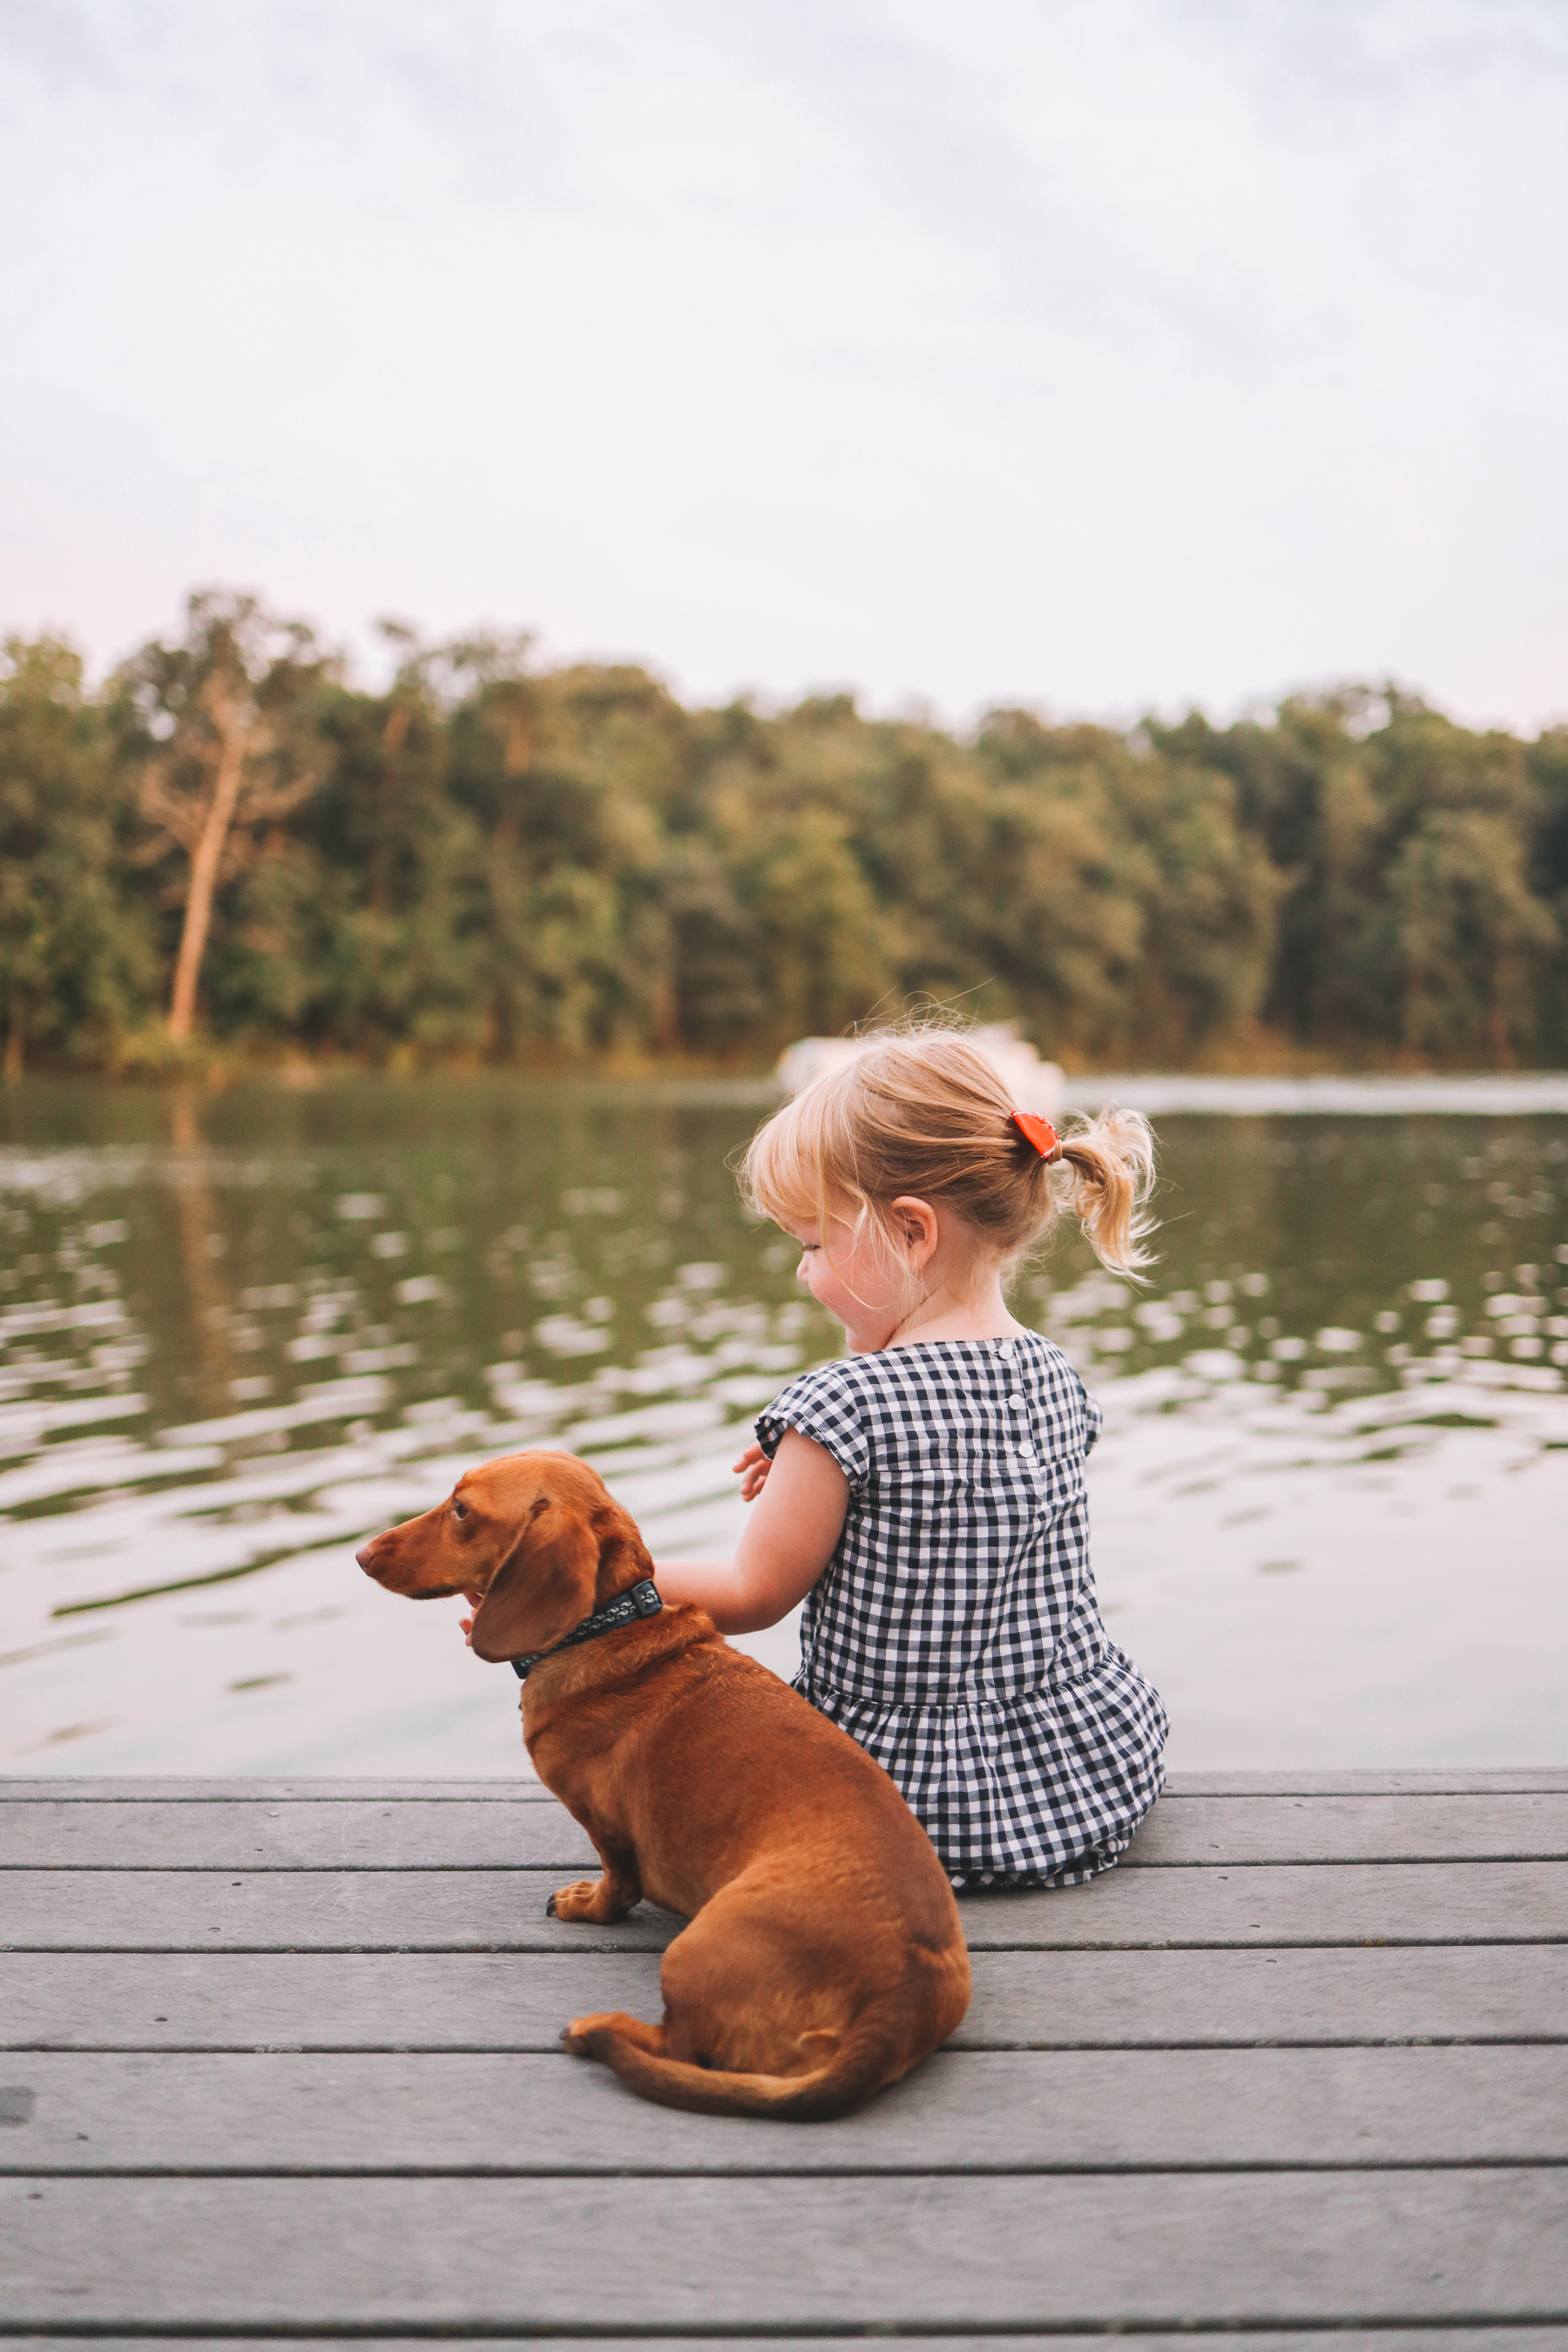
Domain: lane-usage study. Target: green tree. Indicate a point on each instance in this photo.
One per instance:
(1310, 793)
(219, 726)
(1209, 895)
(1547, 767)
(569, 778)
(75, 962)
(1473, 941)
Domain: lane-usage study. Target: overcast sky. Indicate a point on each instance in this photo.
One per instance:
(1104, 354)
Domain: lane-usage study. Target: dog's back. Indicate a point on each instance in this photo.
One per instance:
(824, 1956)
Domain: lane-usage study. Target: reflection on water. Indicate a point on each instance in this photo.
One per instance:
(240, 1330)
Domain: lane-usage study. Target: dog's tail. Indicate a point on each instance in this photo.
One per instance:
(863, 2061)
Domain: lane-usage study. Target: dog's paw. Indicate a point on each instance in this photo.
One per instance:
(578, 1901)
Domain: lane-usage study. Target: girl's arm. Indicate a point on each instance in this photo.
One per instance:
(789, 1539)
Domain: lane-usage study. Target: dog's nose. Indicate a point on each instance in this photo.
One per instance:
(364, 1555)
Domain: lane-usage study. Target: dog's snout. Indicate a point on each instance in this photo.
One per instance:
(366, 1554)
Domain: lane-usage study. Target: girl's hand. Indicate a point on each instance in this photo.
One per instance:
(466, 1625)
(754, 1466)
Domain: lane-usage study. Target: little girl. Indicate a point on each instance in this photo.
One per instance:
(925, 1494)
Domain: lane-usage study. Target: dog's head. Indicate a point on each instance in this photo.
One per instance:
(533, 1538)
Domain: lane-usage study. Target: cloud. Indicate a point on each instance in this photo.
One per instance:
(57, 44)
(1324, 64)
(896, 86)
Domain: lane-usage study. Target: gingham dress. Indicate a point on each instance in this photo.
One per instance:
(954, 1633)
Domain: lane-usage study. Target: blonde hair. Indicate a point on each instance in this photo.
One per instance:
(925, 1112)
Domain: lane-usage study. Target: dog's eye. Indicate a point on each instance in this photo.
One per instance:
(459, 1510)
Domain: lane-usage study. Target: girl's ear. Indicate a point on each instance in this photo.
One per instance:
(918, 1219)
(542, 1588)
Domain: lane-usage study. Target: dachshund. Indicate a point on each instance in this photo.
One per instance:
(823, 1956)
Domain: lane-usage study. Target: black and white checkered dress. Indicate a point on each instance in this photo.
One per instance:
(954, 1633)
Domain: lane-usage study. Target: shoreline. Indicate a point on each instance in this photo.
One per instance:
(1156, 1093)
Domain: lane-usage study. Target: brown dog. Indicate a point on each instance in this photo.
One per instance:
(824, 1957)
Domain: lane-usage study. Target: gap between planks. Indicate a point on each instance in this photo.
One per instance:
(1503, 2337)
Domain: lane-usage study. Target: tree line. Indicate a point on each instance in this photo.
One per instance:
(230, 847)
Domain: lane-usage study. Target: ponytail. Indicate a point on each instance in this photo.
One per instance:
(1111, 1166)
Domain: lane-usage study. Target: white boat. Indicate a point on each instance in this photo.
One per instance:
(1034, 1085)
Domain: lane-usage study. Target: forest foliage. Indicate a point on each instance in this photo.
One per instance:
(231, 848)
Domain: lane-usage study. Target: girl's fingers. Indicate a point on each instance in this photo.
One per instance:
(466, 1627)
(754, 1466)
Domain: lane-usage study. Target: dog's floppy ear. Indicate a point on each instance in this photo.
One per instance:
(622, 1550)
(542, 1588)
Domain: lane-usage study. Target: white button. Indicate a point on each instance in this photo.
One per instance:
(1017, 1402)
(1025, 1453)
(1006, 1350)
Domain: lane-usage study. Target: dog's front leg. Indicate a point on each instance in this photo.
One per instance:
(598, 1902)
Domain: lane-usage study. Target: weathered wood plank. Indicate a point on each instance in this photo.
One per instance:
(318, 1910)
(1266, 1904)
(1202, 1830)
(390, 1834)
(1433, 1779)
(421, 1834)
(1153, 2250)
(962, 2112)
(313, 2002)
(459, 1911)
(1022, 2000)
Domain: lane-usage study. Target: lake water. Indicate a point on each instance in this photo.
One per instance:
(241, 1329)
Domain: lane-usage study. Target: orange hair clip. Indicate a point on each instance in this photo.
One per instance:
(1038, 1131)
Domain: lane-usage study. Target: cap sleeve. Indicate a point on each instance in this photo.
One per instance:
(823, 1405)
(1093, 1418)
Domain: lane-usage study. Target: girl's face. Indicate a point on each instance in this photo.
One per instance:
(854, 1280)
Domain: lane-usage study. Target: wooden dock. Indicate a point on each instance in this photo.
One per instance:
(280, 2061)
